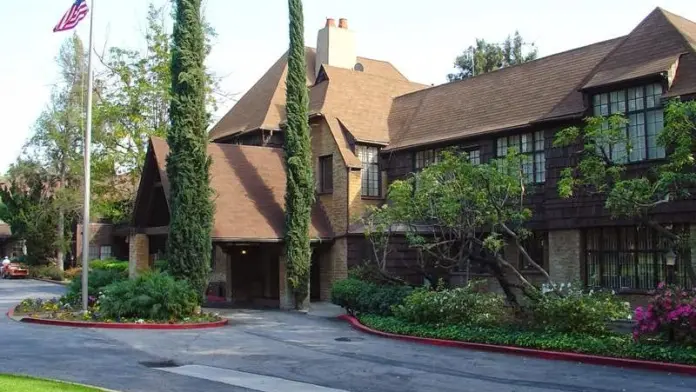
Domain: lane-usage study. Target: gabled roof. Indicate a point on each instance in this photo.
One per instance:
(550, 88)
(263, 106)
(249, 187)
(503, 99)
(360, 101)
(653, 47)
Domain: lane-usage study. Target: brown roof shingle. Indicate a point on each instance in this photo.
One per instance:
(506, 98)
(249, 186)
(263, 106)
(651, 48)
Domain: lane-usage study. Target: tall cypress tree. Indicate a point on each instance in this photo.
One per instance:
(299, 189)
(189, 243)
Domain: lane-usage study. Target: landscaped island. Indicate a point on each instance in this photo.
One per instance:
(564, 318)
(154, 297)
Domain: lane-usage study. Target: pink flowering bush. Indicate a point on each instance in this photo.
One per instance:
(670, 314)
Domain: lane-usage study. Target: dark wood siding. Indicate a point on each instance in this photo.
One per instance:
(550, 211)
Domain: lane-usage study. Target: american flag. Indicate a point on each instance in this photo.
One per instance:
(75, 14)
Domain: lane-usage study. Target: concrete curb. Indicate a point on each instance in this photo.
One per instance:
(553, 355)
(89, 324)
(62, 283)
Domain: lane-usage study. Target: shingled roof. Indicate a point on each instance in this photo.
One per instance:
(249, 186)
(360, 101)
(503, 99)
(549, 88)
(263, 106)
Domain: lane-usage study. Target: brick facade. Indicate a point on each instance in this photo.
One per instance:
(565, 255)
(138, 254)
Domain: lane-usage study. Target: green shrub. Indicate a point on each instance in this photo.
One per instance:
(50, 272)
(96, 281)
(109, 264)
(576, 311)
(357, 296)
(150, 296)
(463, 306)
(161, 266)
(620, 346)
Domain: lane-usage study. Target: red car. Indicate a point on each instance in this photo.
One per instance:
(14, 270)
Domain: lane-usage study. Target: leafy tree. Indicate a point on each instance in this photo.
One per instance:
(135, 105)
(30, 210)
(486, 57)
(189, 244)
(601, 148)
(299, 190)
(57, 142)
(458, 215)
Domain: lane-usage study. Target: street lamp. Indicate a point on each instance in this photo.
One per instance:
(671, 260)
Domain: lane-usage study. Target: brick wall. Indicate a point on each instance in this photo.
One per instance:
(99, 233)
(335, 204)
(138, 254)
(565, 255)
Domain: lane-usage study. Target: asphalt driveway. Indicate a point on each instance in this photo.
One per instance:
(280, 351)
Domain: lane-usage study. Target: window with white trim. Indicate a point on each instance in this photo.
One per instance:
(370, 182)
(93, 252)
(531, 146)
(642, 107)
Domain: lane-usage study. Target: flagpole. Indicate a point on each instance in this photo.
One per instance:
(87, 184)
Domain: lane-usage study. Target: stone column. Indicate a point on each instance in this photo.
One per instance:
(565, 255)
(138, 254)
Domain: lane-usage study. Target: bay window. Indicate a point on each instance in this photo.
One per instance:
(642, 107)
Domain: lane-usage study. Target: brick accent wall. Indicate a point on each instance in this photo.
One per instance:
(333, 266)
(138, 254)
(335, 204)
(565, 255)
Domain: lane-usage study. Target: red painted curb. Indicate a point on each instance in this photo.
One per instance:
(89, 324)
(554, 355)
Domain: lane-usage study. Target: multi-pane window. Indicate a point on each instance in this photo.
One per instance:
(93, 252)
(369, 157)
(326, 174)
(643, 109)
(531, 146)
(425, 158)
(105, 252)
(629, 257)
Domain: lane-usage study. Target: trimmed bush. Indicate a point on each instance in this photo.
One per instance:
(575, 310)
(458, 306)
(109, 264)
(157, 297)
(161, 266)
(96, 281)
(357, 296)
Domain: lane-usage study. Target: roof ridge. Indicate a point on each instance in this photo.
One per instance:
(516, 66)
(669, 16)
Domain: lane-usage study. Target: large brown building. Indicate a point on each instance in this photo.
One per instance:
(370, 125)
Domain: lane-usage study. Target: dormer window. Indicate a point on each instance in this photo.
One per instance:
(642, 107)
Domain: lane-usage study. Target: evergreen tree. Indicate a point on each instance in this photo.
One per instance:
(189, 244)
(299, 190)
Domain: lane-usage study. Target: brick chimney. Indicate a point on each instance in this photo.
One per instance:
(336, 45)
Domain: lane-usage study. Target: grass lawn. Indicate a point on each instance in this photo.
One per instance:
(12, 383)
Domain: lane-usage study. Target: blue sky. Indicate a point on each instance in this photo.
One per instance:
(420, 37)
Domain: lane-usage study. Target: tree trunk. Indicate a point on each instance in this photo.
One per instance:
(60, 255)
